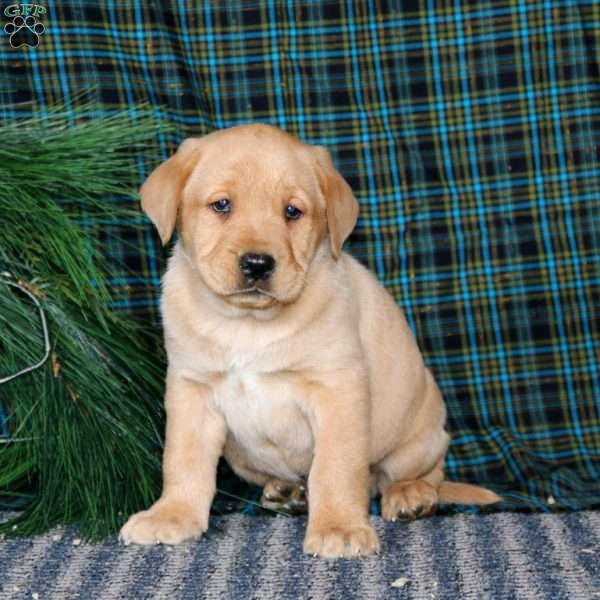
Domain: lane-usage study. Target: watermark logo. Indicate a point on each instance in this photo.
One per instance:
(25, 26)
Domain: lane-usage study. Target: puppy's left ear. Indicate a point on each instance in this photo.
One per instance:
(161, 192)
(342, 207)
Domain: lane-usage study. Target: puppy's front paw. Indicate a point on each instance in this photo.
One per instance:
(347, 541)
(165, 522)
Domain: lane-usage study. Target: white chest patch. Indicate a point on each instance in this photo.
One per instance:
(266, 426)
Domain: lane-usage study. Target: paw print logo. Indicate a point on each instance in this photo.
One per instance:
(24, 31)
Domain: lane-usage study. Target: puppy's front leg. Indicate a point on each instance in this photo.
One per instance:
(338, 483)
(195, 436)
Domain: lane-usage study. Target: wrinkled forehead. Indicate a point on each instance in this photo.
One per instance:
(264, 166)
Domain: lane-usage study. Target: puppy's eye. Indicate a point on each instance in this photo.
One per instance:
(221, 206)
(292, 213)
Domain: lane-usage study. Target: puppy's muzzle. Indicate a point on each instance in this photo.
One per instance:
(256, 267)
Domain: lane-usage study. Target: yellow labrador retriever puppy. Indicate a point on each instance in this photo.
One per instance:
(286, 356)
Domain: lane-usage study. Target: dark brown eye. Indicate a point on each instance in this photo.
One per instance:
(221, 206)
(292, 213)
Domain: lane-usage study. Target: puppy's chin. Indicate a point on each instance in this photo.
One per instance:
(253, 300)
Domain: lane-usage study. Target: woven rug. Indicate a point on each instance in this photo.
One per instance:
(498, 556)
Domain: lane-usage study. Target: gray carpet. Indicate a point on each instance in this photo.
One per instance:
(498, 556)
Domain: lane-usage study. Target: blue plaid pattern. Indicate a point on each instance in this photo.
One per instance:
(469, 132)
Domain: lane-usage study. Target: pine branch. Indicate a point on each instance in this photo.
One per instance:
(89, 418)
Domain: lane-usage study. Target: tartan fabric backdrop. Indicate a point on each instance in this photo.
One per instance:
(469, 132)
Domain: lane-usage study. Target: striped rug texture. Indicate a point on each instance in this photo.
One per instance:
(498, 556)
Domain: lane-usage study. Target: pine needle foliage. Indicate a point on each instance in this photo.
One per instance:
(84, 430)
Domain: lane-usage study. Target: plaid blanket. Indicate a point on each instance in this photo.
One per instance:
(469, 132)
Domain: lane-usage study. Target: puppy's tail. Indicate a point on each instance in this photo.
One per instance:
(465, 493)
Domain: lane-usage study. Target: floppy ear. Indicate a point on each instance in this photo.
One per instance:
(342, 207)
(161, 192)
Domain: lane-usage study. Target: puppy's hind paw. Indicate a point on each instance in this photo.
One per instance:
(407, 500)
(284, 496)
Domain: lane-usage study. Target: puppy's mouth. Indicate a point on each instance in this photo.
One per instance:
(252, 296)
(252, 291)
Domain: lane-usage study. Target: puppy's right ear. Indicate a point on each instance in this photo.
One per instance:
(161, 192)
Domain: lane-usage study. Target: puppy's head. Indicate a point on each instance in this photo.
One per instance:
(253, 204)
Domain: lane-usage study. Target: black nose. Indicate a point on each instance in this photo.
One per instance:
(257, 266)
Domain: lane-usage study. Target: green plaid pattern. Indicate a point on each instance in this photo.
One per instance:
(469, 132)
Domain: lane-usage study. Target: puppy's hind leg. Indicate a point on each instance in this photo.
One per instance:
(285, 496)
(278, 495)
(406, 498)
(409, 477)
(411, 498)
